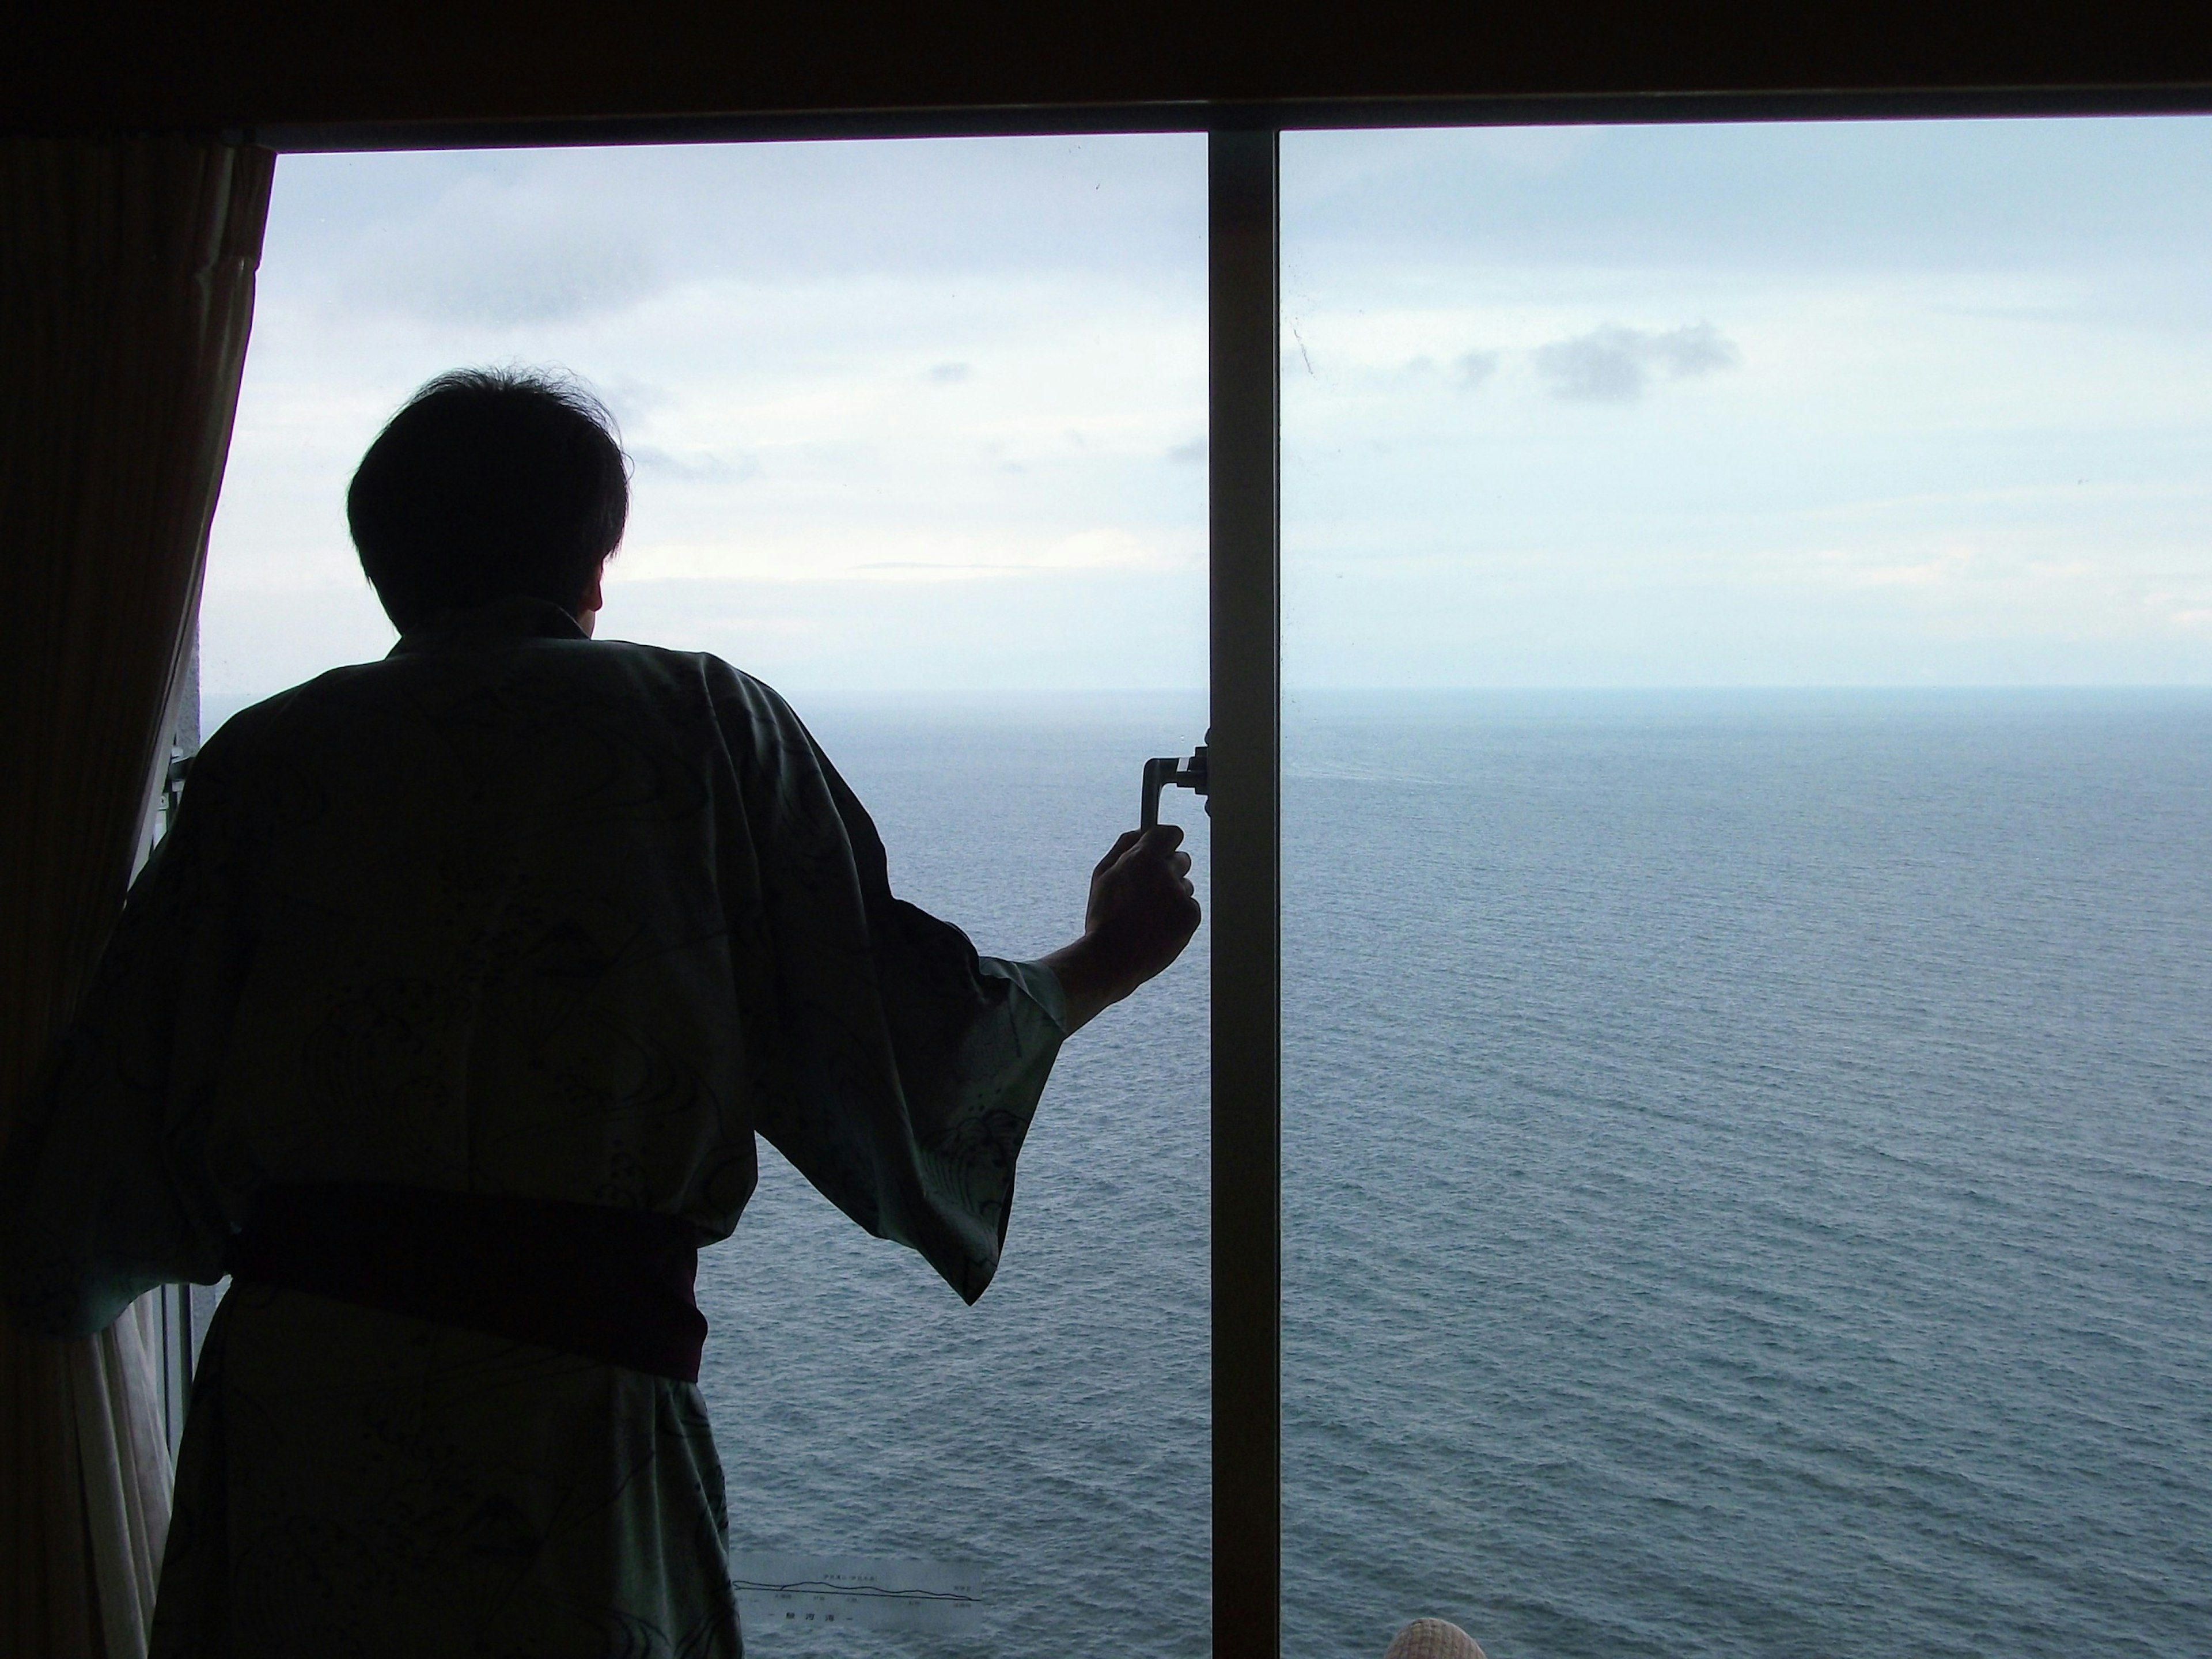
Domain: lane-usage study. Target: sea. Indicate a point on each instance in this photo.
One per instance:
(1748, 1191)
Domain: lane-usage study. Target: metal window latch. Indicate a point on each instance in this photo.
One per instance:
(1184, 775)
(172, 794)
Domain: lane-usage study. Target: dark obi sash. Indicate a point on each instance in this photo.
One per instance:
(601, 1283)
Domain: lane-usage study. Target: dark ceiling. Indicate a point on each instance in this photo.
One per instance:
(308, 71)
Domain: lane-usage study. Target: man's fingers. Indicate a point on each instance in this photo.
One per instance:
(1160, 840)
(1114, 853)
(1155, 842)
(1161, 844)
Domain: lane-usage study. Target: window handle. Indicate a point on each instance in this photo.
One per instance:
(1184, 775)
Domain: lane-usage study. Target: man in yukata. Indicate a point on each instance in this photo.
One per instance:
(443, 1021)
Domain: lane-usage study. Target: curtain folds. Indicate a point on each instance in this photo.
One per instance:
(127, 290)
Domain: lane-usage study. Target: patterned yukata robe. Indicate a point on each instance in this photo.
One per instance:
(516, 912)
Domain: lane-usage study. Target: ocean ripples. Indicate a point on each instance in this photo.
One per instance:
(1809, 1119)
(1749, 1192)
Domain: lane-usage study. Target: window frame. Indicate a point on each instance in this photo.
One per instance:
(1244, 636)
(1244, 770)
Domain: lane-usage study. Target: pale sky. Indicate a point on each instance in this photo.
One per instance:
(1896, 404)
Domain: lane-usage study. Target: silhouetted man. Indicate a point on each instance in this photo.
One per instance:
(444, 1020)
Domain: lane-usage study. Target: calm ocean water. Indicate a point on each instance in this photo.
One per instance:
(1749, 1192)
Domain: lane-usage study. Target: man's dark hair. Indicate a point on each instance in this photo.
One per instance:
(488, 483)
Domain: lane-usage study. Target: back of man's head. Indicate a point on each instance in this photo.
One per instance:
(489, 482)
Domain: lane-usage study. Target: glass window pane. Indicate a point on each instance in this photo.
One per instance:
(1748, 622)
(918, 435)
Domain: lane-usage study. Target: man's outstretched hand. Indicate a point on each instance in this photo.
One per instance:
(1142, 912)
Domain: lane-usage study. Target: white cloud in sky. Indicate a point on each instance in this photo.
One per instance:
(1916, 427)
(1475, 367)
(1871, 403)
(485, 252)
(834, 367)
(1614, 364)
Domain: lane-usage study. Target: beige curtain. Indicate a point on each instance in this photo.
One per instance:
(126, 289)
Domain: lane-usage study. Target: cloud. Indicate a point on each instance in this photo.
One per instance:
(482, 252)
(537, 280)
(1476, 367)
(1613, 364)
(948, 373)
(1190, 453)
(704, 465)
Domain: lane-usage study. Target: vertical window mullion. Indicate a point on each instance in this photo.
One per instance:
(1245, 782)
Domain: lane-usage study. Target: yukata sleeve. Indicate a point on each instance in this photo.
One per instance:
(102, 1187)
(904, 1068)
